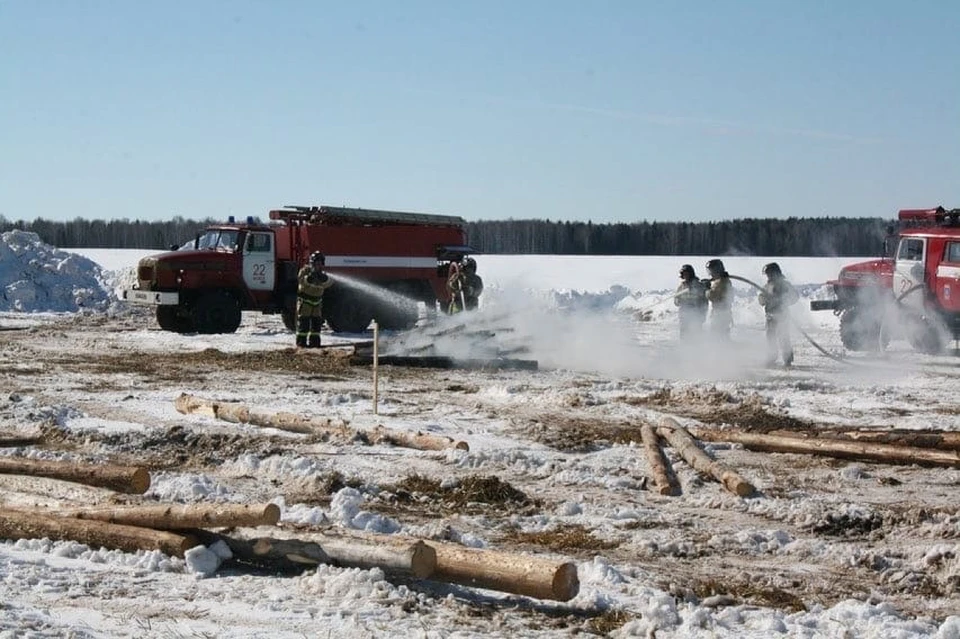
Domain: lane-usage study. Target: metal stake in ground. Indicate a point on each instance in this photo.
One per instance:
(376, 361)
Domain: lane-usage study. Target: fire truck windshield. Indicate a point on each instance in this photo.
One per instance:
(216, 239)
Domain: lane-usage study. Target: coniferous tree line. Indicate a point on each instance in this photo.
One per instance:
(123, 233)
(801, 237)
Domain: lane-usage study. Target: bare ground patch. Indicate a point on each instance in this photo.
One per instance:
(470, 495)
(564, 539)
(195, 366)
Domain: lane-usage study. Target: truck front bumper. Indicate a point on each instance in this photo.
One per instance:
(149, 298)
(824, 305)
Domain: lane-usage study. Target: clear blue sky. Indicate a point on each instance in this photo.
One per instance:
(565, 110)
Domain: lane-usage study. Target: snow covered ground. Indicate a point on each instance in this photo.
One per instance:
(826, 548)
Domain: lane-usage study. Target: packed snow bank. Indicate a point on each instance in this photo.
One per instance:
(36, 277)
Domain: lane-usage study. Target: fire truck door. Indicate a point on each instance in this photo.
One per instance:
(259, 261)
(908, 269)
(948, 278)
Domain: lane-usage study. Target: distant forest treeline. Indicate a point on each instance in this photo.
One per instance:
(801, 237)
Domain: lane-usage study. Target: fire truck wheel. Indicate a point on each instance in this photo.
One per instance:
(348, 314)
(928, 336)
(859, 332)
(398, 315)
(217, 312)
(169, 319)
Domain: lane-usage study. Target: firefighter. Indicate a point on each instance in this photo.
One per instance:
(311, 283)
(776, 298)
(720, 295)
(465, 285)
(691, 302)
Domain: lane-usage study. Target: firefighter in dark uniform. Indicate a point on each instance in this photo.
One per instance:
(311, 283)
(720, 295)
(776, 298)
(691, 302)
(465, 286)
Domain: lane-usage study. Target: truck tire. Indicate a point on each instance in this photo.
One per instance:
(346, 312)
(170, 319)
(859, 331)
(401, 311)
(928, 336)
(216, 312)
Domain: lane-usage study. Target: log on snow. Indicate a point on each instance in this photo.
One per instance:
(940, 439)
(506, 572)
(17, 524)
(841, 449)
(16, 442)
(395, 555)
(681, 439)
(663, 476)
(417, 440)
(182, 516)
(450, 563)
(944, 440)
(124, 479)
(400, 555)
(239, 413)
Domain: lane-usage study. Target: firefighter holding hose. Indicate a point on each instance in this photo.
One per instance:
(720, 295)
(776, 298)
(691, 302)
(465, 286)
(311, 283)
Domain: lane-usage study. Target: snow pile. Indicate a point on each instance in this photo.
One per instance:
(36, 277)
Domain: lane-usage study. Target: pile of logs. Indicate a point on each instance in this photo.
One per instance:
(176, 528)
(923, 448)
(686, 446)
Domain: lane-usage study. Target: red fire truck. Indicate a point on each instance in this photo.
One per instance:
(913, 293)
(383, 262)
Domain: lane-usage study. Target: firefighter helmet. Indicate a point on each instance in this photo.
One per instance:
(317, 259)
(716, 266)
(772, 269)
(470, 265)
(687, 270)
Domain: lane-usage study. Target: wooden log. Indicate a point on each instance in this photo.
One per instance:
(506, 572)
(841, 449)
(663, 476)
(686, 445)
(451, 563)
(398, 555)
(16, 442)
(418, 440)
(124, 479)
(412, 557)
(182, 516)
(921, 438)
(944, 440)
(239, 413)
(16, 524)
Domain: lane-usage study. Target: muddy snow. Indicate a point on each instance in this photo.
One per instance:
(555, 468)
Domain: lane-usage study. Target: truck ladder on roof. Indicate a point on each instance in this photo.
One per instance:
(364, 215)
